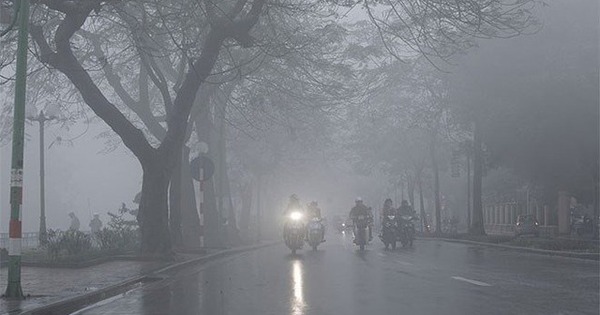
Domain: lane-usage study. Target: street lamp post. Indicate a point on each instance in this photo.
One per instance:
(41, 118)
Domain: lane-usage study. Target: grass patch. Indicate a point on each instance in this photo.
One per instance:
(557, 244)
(89, 256)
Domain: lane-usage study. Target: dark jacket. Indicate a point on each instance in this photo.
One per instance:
(389, 211)
(360, 209)
(313, 212)
(293, 205)
(406, 210)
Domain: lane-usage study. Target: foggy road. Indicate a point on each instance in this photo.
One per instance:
(433, 278)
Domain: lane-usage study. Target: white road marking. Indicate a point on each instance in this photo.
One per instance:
(475, 282)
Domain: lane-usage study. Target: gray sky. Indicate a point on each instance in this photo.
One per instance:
(74, 175)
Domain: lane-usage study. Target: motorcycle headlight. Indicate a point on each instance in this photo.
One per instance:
(296, 216)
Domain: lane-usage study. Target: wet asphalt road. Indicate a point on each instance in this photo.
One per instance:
(434, 277)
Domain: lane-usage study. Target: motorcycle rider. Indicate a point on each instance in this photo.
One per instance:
(313, 211)
(293, 205)
(361, 209)
(406, 209)
(388, 210)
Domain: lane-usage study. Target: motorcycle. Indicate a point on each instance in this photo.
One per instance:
(361, 224)
(315, 232)
(407, 231)
(338, 224)
(389, 231)
(294, 231)
(581, 226)
(347, 227)
(449, 226)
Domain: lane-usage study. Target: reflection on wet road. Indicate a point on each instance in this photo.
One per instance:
(431, 278)
(298, 302)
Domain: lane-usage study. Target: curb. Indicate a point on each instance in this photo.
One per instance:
(87, 263)
(73, 304)
(586, 256)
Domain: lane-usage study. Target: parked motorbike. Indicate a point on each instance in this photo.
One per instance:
(407, 230)
(361, 224)
(389, 231)
(315, 232)
(449, 226)
(581, 226)
(294, 231)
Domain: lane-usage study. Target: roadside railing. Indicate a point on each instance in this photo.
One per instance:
(29, 240)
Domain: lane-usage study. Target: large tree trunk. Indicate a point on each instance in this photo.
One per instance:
(218, 153)
(184, 219)
(411, 189)
(211, 216)
(190, 224)
(246, 195)
(231, 233)
(175, 199)
(596, 194)
(436, 185)
(469, 190)
(153, 215)
(477, 227)
(258, 208)
(424, 222)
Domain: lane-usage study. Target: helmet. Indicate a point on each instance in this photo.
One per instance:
(358, 199)
(294, 197)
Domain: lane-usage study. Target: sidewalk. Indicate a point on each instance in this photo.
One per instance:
(64, 290)
(47, 285)
(563, 253)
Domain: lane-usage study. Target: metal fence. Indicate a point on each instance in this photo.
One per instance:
(29, 240)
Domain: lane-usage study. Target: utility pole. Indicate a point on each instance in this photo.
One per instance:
(13, 289)
(41, 118)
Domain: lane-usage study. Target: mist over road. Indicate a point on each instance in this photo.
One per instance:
(434, 277)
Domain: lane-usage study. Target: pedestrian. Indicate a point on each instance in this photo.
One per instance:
(96, 224)
(74, 222)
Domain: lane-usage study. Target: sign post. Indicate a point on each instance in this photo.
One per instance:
(202, 168)
(14, 290)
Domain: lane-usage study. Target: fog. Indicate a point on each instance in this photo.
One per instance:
(80, 178)
(83, 178)
(339, 102)
(242, 156)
